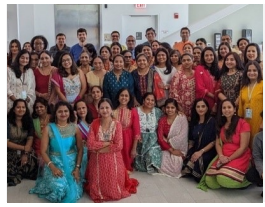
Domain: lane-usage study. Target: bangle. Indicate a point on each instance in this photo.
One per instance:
(202, 150)
(49, 163)
(221, 156)
(78, 166)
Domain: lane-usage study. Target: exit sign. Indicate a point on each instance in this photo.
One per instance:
(140, 6)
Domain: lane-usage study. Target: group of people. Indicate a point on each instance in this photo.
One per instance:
(95, 118)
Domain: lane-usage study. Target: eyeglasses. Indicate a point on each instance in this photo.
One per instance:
(115, 36)
(38, 43)
(66, 60)
(127, 56)
(130, 40)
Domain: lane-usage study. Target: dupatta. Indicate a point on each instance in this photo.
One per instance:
(71, 190)
(178, 134)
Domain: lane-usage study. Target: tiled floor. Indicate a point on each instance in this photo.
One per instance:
(155, 189)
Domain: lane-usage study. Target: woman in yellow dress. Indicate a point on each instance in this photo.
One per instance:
(251, 97)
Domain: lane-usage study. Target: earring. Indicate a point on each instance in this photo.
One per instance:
(222, 114)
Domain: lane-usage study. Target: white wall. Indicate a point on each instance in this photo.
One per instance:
(111, 18)
(249, 17)
(33, 19)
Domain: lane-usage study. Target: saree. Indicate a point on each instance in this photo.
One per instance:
(62, 152)
(178, 139)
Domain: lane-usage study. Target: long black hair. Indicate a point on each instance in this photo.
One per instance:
(245, 79)
(130, 103)
(26, 119)
(16, 66)
(213, 69)
(195, 118)
(89, 117)
(221, 120)
(168, 63)
(42, 101)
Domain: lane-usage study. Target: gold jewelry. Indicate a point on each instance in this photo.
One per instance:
(62, 126)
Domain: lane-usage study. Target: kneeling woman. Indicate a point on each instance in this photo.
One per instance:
(107, 176)
(173, 139)
(61, 150)
(232, 148)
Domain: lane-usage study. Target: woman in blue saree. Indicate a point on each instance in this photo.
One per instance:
(62, 150)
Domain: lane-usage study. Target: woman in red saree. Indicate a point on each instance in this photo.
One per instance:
(107, 178)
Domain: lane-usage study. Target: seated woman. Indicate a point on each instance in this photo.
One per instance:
(234, 155)
(41, 116)
(107, 178)
(149, 154)
(62, 151)
(84, 119)
(21, 161)
(129, 119)
(173, 139)
(202, 135)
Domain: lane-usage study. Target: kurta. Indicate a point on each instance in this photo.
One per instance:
(149, 154)
(106, 171)
(230, 85)
(129, 120)
(111, 85)
(182, 89)
(256, 104)
(237, 168)
(204, 83)
(15, 86)
(173, 135)
(201, 135)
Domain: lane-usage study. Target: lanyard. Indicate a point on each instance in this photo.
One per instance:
(23, 79)
(250, 95)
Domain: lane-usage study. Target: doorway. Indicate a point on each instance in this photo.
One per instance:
(136, 25)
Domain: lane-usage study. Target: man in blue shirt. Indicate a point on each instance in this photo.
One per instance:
(77, 48)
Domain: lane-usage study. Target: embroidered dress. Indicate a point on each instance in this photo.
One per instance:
(111, 85)
(129, 120)
(72, 88)
(175, 136)
(182, 89)
(149, 154)
(15, 86)
(62, 152)
(106, 171)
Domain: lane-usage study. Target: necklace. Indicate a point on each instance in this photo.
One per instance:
(62, 126)
(43, 122)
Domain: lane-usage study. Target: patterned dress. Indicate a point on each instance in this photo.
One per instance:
(62, 152)
(111, 85)
(15, 86)
(230, 85)
(175, 136)
(182, 89)
(16, 172)
(149, 154)
(106, 171)
(129, 120)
